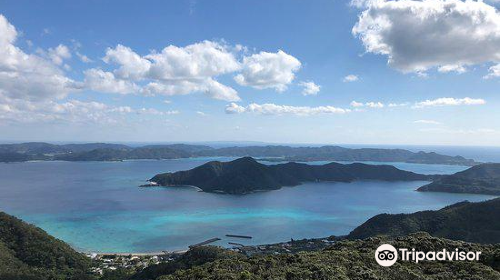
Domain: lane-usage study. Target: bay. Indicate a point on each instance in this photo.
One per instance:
(98, 206)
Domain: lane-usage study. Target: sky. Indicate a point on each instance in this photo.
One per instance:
(324, 71)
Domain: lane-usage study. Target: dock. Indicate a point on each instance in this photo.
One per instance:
(239, 236)
(212, 240)
(236, 244)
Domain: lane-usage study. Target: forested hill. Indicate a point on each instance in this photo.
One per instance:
(479, 179)
(28, 253)
(343, 260)
(246, 175)
(116, 152)
(473, 222)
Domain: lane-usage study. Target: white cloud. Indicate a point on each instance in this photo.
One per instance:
(177, 70)
(71, 111)
(449, 101)
(99, 80)
(194, 68)
(273, 109)
(427, 122)
(367, 104)
(197, 61)
(309, 88)
(374, 105)
(360, 3)
(59, 54)
(420, 35)
(494, 72)
(357, 104)
(132, 65)
(234, 108)
(350, 78)
(83, 58)
(200, 113)
(210, 87)
(452, 68)
(29, 76)
(268, 70)
(219, 91)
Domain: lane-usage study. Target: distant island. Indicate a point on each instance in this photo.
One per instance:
(246, 175)
(472, 222)
(117, 152)
(479, 179)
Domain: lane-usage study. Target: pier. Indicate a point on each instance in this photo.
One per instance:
(239, 236)
(212, 240)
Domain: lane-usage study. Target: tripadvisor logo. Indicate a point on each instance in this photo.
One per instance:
(386, 255)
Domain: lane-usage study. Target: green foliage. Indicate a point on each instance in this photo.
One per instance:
(245, 175)
(194, 257)
(473, 222)
(479, 179)
(27, 252)
(349, 260)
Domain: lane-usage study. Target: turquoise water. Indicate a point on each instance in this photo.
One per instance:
(97, 206)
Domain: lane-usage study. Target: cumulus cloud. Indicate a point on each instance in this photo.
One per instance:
(176, 70)
(72, 111)
(273, 109)
(197, 61)
(195, 68)
(452, 68)
(449, 101)
(59, 54)
(350, 78)
(268, 70)
(494, 72)
(99, 80)
(427, 122)
(131, 65)
(419, 35)
(309, 88)
(234, 108)
(30, 76)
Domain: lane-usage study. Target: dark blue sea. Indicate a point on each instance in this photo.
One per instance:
(98, 206)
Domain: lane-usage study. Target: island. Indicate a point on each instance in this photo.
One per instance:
(246, 175)
(479, 179)
(277, 153)
(472, 222)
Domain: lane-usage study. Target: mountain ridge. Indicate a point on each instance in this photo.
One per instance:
(246, 175)
(116, 152)
(471, 222)
(479, 179)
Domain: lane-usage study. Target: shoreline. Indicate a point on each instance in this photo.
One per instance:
(136, 254)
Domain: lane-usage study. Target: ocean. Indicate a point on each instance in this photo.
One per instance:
(98, 206)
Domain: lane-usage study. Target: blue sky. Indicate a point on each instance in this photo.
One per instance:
(96, 71)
